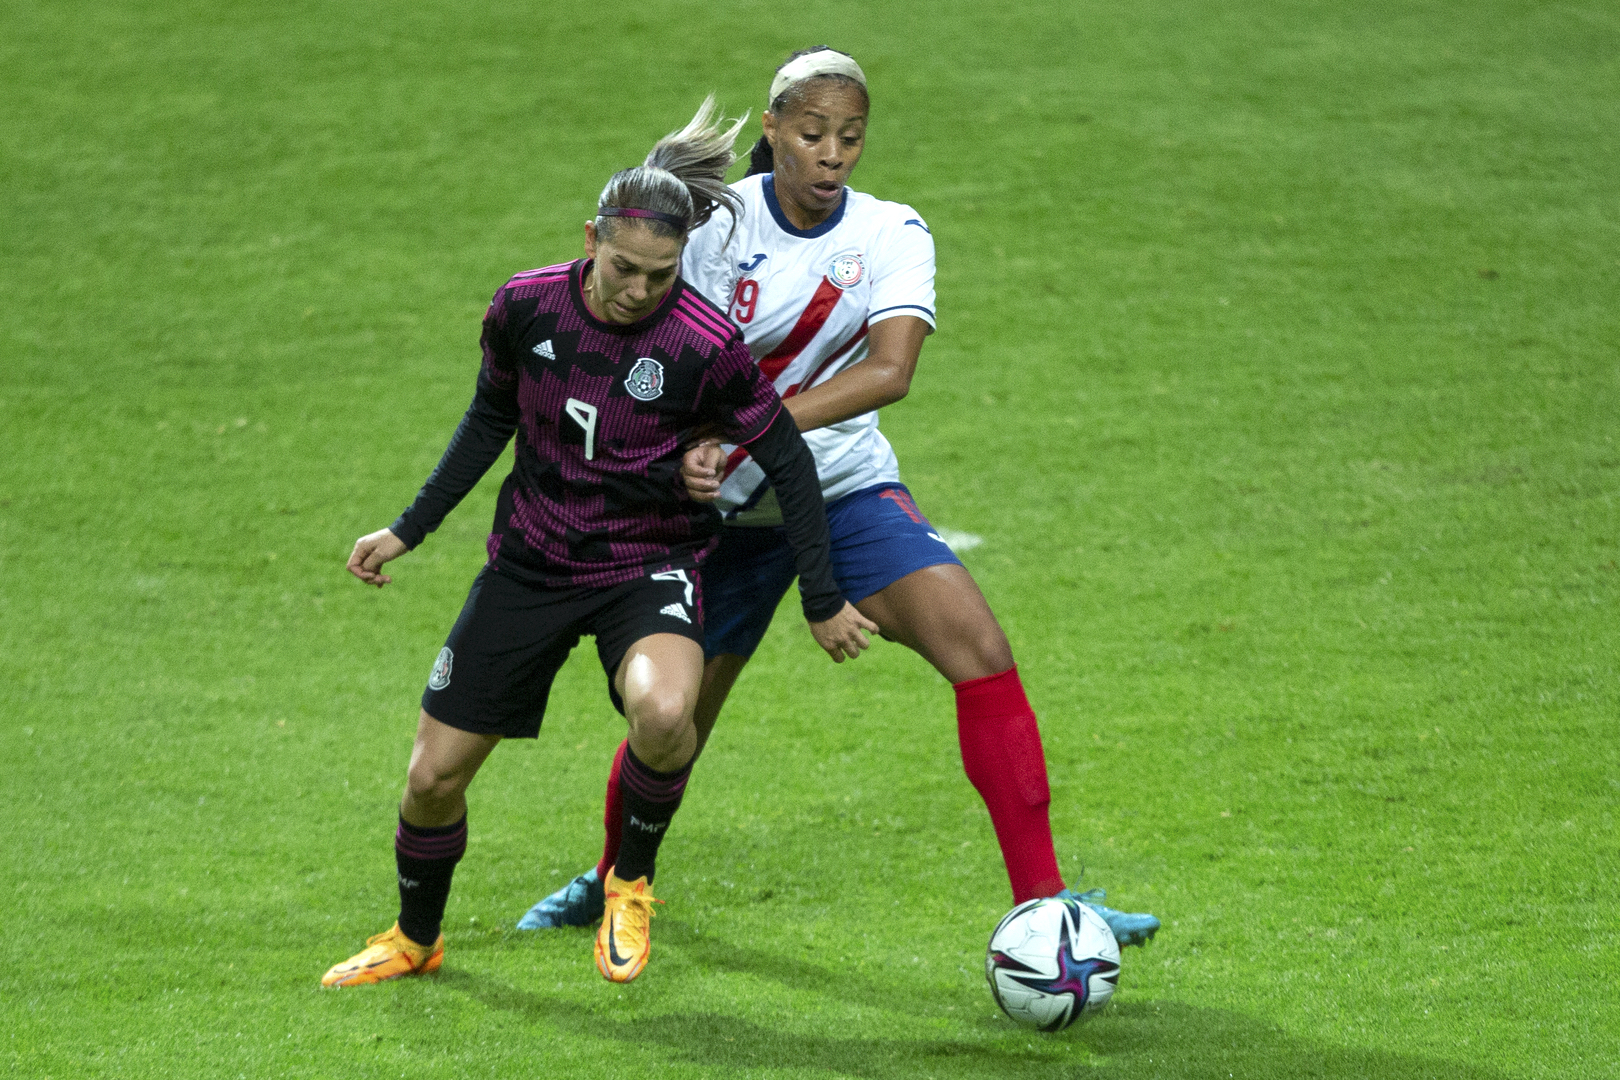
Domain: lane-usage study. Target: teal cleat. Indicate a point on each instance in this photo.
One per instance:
(578, 903)
(1129, 928)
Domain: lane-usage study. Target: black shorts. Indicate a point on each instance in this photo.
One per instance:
(495, 670)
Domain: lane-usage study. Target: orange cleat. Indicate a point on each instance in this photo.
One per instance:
(388, 955)
(624, 940)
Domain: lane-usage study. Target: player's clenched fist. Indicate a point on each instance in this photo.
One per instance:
(370, 552)
(844, 634)
(701, 468)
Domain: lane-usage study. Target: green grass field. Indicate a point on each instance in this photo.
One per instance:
(1278, 366)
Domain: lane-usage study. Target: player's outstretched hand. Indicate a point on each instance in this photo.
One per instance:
(844, 634)
(370, 552)
(701, 466)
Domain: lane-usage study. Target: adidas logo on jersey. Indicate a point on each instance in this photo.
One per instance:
(677, 611)
(545, 350)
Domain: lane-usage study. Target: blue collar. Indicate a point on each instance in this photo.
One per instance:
(768, 185)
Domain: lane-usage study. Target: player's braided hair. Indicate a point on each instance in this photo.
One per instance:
(683, 180)
(760, 158)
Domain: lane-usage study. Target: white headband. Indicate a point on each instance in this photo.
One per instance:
(808, 66)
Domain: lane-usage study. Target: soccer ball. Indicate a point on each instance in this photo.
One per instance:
(1051, 961)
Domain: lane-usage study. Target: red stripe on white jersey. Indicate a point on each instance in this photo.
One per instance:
(737, 456)
(734, 459)
(827, 363)
(811, 320)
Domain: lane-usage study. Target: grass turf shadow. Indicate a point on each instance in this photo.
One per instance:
(1133, 1039)
(730, 1044)
(1171, 1039)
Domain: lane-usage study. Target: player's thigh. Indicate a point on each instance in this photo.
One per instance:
(649, 638)
(720, 674)
(940, 612)
(744, 580)
(893, 565)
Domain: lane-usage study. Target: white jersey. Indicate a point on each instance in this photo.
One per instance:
(805, 299)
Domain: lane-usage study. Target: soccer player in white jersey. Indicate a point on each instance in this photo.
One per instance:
(833, 290)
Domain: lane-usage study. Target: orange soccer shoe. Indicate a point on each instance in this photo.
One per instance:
(624, 940)
(387, 956)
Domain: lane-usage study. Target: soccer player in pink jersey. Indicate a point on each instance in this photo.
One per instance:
(834, 292)
(603, 368)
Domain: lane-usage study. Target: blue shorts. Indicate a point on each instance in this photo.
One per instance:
(878, 537)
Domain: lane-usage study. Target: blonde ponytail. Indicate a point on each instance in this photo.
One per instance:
(683, 180)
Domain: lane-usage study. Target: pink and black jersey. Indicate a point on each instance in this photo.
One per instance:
(602, 413)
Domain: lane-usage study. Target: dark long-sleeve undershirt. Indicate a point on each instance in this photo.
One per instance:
(782, 453)
(780, 450)
(477, 444)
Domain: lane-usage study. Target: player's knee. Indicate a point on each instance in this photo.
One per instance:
(994, 651)
(661, 711)
(660, 714)
(980, 650)
(432, 786)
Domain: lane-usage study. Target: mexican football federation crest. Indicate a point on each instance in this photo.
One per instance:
(646, 379)
(441, 670)
(846, 270)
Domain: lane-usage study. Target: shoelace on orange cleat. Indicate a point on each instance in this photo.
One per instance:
(639, 902)
(390, 936)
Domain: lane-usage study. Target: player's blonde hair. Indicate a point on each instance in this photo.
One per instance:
(683, 180)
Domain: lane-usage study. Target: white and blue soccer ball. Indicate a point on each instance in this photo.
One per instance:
(1052, 961)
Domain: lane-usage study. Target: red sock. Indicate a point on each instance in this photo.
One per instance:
(612, 816)
(1001, 751)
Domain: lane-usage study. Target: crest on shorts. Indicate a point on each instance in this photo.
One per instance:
(646, 380)
(441, 670)
(846, 270)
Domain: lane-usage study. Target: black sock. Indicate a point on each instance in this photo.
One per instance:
(650, 800)
(427, 857)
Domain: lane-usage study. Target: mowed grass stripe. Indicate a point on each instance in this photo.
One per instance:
(1275, 368)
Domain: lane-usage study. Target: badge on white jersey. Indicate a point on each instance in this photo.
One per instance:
(846, 270)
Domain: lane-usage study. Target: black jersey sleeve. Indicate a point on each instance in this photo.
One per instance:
(479, 439)
(782, 453)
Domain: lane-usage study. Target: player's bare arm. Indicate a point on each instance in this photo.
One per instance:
(883, 378)
(371, 551)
